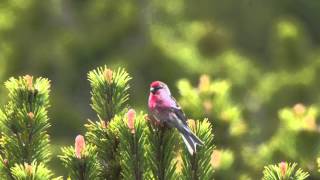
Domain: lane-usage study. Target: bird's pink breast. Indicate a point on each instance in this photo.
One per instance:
(159, 100)
(152, 101)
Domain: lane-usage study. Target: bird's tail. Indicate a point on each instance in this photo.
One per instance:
(190, 140)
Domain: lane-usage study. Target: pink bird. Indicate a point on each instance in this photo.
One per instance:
(164, 109)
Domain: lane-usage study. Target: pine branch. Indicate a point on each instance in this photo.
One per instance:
(24, 124)
(5, 169)
(32, 171)
(109, 96)
(284, 171)
(132, 146)
(296, 124)
(81, 161)
(162, 151)
(198, 166)
(109, 92)
(212, 99)
(106, 139)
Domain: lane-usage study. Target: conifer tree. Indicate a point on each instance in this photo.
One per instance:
(133, 156)
(25, 149)
(109, 96)
(162, 151)
(297, 137)
(127, 145)
(212, 99)
(198, 166)
(81, 160)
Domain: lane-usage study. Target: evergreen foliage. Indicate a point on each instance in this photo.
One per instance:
(212, 99)
(133, 156)
(109, 97)
(25, 149)
(109, 92)
(106, 139)
(284, 171)
(83, 167)
(162, 151)
(124, 145)
(198, 166)
(32, 171)
(268, 51)
(136, 147)
(297, 124)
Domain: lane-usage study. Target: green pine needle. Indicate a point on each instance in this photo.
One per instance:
(33, 171)
(132, 148)
(86, 168)
(109, 93)
(105, 136)
(24, 123)
(198, 166)
(162, 152)
(109, 96)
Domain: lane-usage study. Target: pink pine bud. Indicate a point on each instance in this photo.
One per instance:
(283, 168)
(131, 117)
(5, 162)
(31, 115)
(79, 146)
(108, 75)
(29, 80)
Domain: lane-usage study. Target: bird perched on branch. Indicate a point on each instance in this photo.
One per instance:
(166, 111)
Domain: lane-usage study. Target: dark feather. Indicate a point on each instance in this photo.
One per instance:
(178, 111)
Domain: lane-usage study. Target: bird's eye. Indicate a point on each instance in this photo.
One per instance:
(155, 89)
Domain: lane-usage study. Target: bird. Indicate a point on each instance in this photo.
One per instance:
(166, 111)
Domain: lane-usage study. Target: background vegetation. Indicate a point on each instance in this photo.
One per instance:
(262, 57)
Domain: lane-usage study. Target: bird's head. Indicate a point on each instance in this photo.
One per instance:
(158, 86)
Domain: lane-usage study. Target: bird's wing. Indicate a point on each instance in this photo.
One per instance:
(178, 111)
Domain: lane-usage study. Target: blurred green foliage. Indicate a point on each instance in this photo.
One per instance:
(264, 54)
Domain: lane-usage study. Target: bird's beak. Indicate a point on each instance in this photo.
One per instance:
(152, 89)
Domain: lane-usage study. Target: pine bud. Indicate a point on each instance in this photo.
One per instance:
(131, 118)
(29, 80)
(31, 115)
(204, 83)
(103, 124)
(299, 109)
(207, 105)
(216, 158)
(6, 162)
(108, 75)
(310, 123)
(283, 168)
(79, 145)
(192, 123)
(28, 168)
